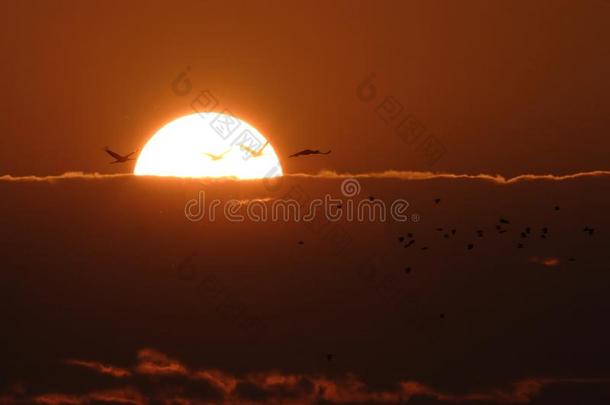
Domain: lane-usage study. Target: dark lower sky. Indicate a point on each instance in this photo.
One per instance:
(109, 291)
(506, 87)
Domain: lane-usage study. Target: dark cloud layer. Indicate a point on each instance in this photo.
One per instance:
(280, 388)
(110, 295)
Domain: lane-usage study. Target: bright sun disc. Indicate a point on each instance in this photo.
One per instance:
(208, 145)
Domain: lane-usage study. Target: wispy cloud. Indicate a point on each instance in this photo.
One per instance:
(412, 175)
(326, 174)
(274, 387)
(64, 176)
(545, 261)
(127, 396)
(152, 362)
(101, 368)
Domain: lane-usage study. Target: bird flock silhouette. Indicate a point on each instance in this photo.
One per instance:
(217, 157)
(502, 226)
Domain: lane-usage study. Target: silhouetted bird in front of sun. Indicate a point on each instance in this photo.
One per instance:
(504, 221)
(252, 152)
(307, 152)
(437, 200)
(217, 157)
(588, 230)
(470, 246)
(119, 158)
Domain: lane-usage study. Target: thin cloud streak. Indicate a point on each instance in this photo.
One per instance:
(389, 174)
(101, 368)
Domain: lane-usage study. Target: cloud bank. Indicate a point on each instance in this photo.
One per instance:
(269, 387)
(389, 174)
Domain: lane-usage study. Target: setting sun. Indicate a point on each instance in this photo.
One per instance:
(208, 145)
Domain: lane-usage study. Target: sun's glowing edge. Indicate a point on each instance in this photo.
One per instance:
(182, 148)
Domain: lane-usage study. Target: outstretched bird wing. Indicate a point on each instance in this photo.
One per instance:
(303, 153)
(113, 154)
(248, 149)
(306, 152)
(252, 151)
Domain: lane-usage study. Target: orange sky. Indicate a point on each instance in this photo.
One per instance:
(507, 87)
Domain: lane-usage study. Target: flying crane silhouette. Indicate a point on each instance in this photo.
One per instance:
(254, 153)
(306, 152)
(217, 157)
(119, 158)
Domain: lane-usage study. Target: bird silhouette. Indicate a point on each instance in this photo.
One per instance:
(453, 231)
(480, 233)
(520, 246)
(437, 200)
(407, 270)
(401, 239)
(329, 357)
(557, 208)
(301, 242)
(410, 243)
(119, 158)
(306, 152)
(254, 153)
(504, 221)
(588, 230)
(217, 157)
(470, 246)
